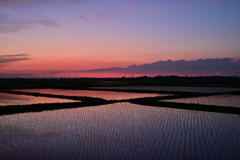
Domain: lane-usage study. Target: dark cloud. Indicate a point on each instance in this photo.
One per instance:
(13, 58)
(104, 69)
(14, 55)
(224, 66)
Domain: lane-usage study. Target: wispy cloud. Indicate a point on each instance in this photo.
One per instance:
(29, 73)
(46, 1)
(83, 18)
(13, 58)
(13, 1)
(91, 10)
(101, 15)
(10, 26)
(13, 55)
(96, 16)
(104, 69)
(49, 23)
(18, 15)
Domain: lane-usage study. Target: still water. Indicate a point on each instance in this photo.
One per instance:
(218, 100)
(120, 131)
(177, 88)
(14, 99)
(108, 95)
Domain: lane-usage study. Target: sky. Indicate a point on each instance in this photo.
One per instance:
(72, 38)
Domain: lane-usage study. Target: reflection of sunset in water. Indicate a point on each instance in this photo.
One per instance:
(108, 95)
(13, 99)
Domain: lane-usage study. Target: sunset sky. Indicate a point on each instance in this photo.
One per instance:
(47, 38)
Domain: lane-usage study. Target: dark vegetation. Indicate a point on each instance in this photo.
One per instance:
(6, 86)
(75, 83)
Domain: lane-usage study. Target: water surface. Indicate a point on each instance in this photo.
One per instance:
(219, 100)
(177, 88)
(15, 99)
(120, 131)
(96, 94)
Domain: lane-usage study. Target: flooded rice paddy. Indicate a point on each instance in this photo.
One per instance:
(176, 88)
(120, 131)
(218, 100)
(108, 95)
(13, 99)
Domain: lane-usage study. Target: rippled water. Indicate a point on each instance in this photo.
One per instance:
(219, 100)
(97, 94)
(14, 99)
(120, 131)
